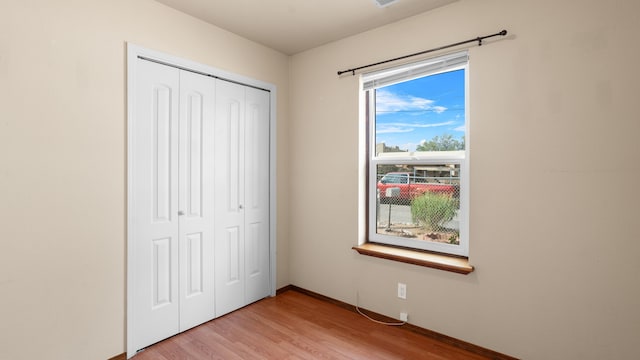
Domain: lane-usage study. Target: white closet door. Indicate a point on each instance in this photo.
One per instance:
(171, 207)
(229, 194)
(154, 205)
(242, 196)
(198, 211)
(197, 97)
(257, 194)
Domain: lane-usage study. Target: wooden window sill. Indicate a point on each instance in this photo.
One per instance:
(416, 257)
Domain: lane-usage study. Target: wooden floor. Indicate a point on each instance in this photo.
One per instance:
(293, 325)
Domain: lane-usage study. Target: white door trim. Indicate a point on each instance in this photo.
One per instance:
(133, 53)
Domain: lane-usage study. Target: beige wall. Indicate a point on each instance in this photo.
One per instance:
(63, 162)
(553, 238)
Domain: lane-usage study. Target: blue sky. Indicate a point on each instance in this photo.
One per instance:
(414, 111)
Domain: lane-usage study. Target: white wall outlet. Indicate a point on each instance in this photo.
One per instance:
(404, 316)
(402, 291)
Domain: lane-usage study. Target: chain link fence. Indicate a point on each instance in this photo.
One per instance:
(419, 201)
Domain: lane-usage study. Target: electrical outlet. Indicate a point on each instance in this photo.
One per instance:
(402, 291)
(404, 316)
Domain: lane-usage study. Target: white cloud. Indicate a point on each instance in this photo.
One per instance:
(387, 101)
(460, 128)
(400, 127)
(433, 125)
(392, 129)
(439, 109)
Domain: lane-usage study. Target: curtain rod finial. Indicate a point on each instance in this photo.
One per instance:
(503, 32)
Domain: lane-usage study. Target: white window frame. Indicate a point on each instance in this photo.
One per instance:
(372, 81)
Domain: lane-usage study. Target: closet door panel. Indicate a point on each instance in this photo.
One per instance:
(229, 194)
(257, 194)
(197, 101)
(153, 205)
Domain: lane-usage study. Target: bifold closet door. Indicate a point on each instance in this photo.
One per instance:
(242, 195)
(256, 188)
(171, 203)
(195, 199)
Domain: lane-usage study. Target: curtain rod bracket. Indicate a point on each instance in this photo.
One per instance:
(478, 39)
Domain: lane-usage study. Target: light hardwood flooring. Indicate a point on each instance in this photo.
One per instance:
(294, 325)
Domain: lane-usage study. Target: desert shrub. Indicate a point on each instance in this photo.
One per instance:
(433, 210)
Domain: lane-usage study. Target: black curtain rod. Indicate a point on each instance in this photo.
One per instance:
(478, 39)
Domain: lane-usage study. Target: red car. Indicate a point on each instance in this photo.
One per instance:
(409, 188)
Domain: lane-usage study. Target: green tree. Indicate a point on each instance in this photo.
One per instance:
(446, 142)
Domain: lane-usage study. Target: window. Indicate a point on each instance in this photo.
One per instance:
(417, 124)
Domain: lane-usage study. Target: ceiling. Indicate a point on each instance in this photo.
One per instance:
(292, 26)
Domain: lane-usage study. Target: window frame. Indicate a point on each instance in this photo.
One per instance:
(460, 157)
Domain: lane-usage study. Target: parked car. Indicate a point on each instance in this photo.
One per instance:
(410, 187)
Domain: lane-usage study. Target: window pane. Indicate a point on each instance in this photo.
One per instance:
(419, 202)
(425, 114)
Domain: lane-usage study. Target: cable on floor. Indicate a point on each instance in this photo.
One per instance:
(374, 320)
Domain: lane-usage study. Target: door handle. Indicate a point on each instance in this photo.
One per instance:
(180, 213)
(240, 207)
